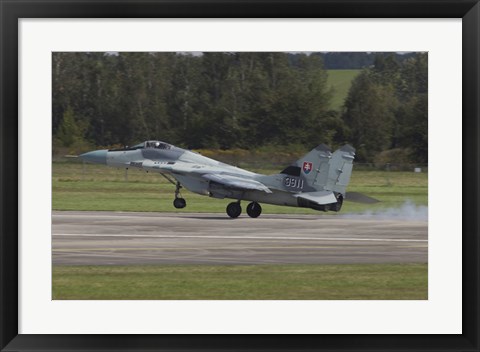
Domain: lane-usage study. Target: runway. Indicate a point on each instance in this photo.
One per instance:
(116, 238)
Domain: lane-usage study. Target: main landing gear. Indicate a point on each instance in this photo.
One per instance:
(234, 209)
(253, 209)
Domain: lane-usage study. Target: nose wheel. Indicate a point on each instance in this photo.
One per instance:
(254, 210)
(179, 202)
(234, 209)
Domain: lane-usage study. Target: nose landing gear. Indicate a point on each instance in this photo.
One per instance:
(179, 202)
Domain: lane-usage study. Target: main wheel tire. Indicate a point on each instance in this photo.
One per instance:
(254, 210)
(179, 203)
(234, 210)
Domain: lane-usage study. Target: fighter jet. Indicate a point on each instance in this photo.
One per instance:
(318, 180)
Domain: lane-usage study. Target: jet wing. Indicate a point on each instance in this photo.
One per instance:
(181, 168)
(237, 182)
(321, 197)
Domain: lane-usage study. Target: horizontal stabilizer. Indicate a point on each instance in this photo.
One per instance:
(360, 198)
(321, 197)
(237, 182)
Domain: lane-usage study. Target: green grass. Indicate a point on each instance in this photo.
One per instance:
(96, 188)
(246, 282)
(341, 81)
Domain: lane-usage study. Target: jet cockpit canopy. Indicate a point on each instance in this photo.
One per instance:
(157, 145)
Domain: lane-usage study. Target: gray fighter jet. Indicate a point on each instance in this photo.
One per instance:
(318, 180)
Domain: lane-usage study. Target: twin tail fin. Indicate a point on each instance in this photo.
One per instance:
(323, 170)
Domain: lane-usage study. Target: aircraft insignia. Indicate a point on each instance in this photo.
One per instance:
(307, 167)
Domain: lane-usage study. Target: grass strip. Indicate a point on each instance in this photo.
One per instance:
(97, 187)
(242, 282)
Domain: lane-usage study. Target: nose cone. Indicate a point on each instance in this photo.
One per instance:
(97, 156)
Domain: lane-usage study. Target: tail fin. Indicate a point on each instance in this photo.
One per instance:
(323, 170)
(340, 169)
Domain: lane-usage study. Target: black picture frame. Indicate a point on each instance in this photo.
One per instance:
(13, 10)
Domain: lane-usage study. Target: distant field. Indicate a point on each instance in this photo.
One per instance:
(341, 81)
(218, 282)
(96, 187)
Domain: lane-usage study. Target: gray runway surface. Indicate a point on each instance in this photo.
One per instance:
(112, 238)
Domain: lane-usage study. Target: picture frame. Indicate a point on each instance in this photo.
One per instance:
(12, 11)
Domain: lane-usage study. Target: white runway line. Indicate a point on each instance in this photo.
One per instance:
(244, 237)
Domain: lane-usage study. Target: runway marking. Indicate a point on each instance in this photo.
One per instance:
(245, 237)
(187, 248)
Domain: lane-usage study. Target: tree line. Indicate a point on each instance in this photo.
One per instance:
(238, 100)
(357, 60)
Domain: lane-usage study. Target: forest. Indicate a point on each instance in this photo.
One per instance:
(245, 100)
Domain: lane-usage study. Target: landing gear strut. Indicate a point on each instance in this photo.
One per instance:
(179, 202)
(234, 209)
(254, 210)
